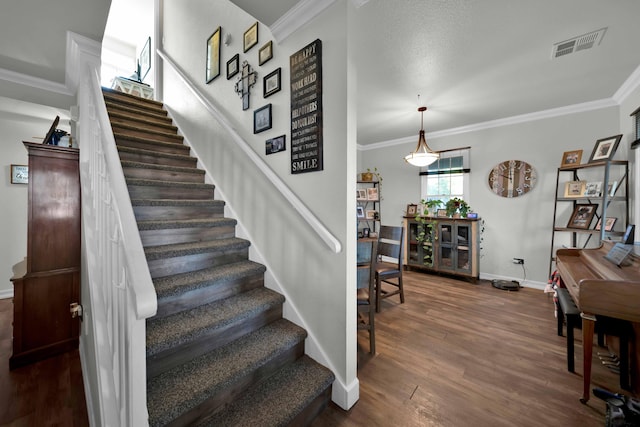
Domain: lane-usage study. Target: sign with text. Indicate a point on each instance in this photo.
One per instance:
(306, 108)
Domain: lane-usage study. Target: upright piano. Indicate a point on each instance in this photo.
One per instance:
(600, 287)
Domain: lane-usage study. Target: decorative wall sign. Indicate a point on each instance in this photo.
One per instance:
(244, 83)
(19, 174)
(306, 108)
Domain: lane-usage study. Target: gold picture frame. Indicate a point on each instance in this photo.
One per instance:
(575, 188)
(250, 38)
(571, 158)
(265, 53)
(213, 55)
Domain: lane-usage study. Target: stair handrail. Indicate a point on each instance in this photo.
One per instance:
(330, 240)
(121, 291)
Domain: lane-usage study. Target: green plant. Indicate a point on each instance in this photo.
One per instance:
(432, 205)
(457, 205)
(425, 236)
(375, 173)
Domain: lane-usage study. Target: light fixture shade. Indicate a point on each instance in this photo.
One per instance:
(423, 155)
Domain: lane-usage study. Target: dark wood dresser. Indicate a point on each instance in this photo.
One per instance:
(42, 323)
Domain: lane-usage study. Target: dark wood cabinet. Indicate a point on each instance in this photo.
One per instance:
(42, 323)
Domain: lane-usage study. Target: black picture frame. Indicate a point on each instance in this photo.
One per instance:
(213, 56)
(272, 83)
(262, 119)
(265, 53)
(605, 148)
(276, 145)
(250, 37)
(144, 62)
(233, 66)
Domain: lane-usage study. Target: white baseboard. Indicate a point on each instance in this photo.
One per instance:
(523, 283)
(7, 293)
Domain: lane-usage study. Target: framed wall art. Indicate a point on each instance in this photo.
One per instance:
(276, 145)
(361, 194)
(271, 83)
(250, 37)
(412, 210)
(372, 193)
(605, 148)
(145, 60)
(265, 53)
(19, 174)
(582, 216)
(608, 224)
(571, 158)
(233, 66)
(262, 119)
(213, 56)
(574, 188)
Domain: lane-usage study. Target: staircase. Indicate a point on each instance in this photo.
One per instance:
(219, 352)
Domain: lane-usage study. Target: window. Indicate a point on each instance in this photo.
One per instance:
(447, 177)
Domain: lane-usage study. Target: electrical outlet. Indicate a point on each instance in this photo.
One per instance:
(518, 261)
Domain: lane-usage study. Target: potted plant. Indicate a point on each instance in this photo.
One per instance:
(369, 174)
(432, 206)
(457, 207)
(425, 237)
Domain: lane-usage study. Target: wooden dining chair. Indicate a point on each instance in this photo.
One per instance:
(366, 256)
(388, 269)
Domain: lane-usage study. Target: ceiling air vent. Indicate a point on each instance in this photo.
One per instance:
(585, 41)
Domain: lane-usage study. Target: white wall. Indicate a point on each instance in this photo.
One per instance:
(19, 121)
(318, 283)
(519, 227)
(627, 127)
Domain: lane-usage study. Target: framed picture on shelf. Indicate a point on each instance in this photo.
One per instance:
(582, 216)
(612, 187)
(265, 53)
(213, 56)
(360, 212)
(574, 188)
(593, 189)
(412, 210)
(233, 66)
(250, 37)
(361, 194)
(608, 224)
(145, 59)
(262, 119)
(441, 212)
(605, 148)
(571, 158)
(372, 193)
(371, 214)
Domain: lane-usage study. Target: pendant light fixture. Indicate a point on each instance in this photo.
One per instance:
(422, 155)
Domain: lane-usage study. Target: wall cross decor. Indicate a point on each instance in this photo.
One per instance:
(244, 83)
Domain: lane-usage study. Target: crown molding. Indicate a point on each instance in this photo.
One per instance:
(36, 82)
(297, 17)
(507, 121)
(631, 84)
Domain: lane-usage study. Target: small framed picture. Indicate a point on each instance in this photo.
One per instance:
(271, 83)
(265, 53)
(574, 188)
(582, 216)
(366, 232)
(441, 212)
(608, 224)
(371, 214)
(612, 187)
(213, 55)
(250, 37)
(372, 193)
(262, 119)
(145, 59)
(412, 210)
(233, 66)
(276, 145)
(571, 158)
(360, 212)
(605, 148)
(593, 189)
(361, 194)
(19, 174)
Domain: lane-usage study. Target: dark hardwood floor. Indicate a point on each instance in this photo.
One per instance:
(46, 393)
(455, 354)
(463, 354)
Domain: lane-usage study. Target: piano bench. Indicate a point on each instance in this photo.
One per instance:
(568, 309)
